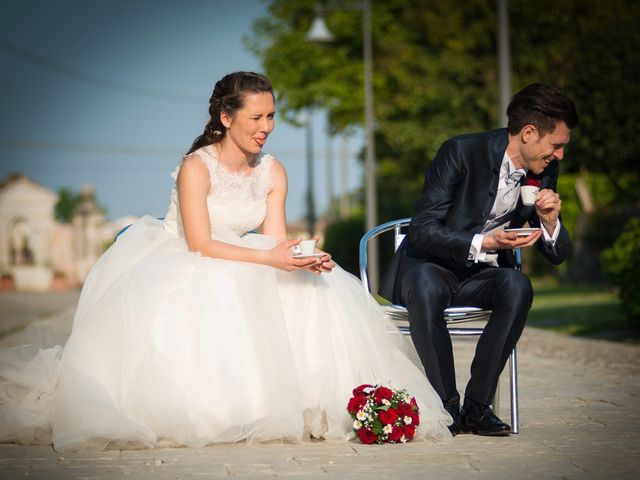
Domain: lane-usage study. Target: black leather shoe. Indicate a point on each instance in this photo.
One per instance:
(452, 406)
(480, 420)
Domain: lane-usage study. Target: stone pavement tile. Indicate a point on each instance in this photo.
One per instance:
(17, 309)
(43, 462)
(521, 456)
(23, 459)
(578, 415)
(309, 460)
(43, 332)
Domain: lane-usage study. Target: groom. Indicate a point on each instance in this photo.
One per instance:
(457, 251)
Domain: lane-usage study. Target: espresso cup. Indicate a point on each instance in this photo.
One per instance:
(528, 193)
(305, 247)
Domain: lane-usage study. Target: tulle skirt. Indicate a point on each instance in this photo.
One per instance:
(170, 347)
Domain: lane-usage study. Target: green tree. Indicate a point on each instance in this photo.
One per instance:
(591, 49)
(432, 78)
(68, 201)
(435, 76)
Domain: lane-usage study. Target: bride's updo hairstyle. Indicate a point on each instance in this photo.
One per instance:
(228, 96)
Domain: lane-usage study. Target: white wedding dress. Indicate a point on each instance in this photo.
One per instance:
(170, 347)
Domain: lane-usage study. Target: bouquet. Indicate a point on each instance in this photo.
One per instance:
(383, 415)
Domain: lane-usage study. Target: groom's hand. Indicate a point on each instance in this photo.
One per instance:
(548, 205)
(502, 240)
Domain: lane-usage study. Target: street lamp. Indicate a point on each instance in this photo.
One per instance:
(331, 210)
(311, 209)
(504, 60)
(320, 33)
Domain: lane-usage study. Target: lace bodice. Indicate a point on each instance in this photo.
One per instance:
(236, 201)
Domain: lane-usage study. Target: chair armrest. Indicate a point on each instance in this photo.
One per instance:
(374, 232)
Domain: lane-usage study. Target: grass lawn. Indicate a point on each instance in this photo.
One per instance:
(584, 310)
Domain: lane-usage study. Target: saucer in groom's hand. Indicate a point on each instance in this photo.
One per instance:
(309, 255)
(523, 232)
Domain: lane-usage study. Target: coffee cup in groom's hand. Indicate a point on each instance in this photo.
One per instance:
(529, 193)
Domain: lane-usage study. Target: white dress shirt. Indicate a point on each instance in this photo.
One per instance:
(499, 216)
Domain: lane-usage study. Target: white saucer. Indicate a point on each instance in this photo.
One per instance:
(463, 309)
(523, 232)
(309, 255)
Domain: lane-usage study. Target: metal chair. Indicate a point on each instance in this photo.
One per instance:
(453, 315)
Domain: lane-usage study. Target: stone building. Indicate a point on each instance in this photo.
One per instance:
(37, 253)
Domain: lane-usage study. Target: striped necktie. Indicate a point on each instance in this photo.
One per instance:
(507, 197)
(506, 201)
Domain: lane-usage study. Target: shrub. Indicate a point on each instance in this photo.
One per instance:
(622, 263)
(341, 239)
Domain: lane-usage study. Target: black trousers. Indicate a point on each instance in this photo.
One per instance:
(427, 289)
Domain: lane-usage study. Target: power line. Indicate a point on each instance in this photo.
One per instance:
(148, 151)
(94, 148)
(78, 75)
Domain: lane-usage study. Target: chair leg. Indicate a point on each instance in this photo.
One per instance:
(496, 398)
(513, 371)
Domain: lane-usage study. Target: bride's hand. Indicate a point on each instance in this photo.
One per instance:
(324, 264)
(282, 257)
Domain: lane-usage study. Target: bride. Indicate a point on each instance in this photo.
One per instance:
(196, 329)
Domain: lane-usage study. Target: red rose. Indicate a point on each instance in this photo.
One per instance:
(359, 391)
(382, 393)
(413, 402)
(367, 436)
(416, 419)
(405, 409)
(395, 434)
(388, 417)
(356, 403)
(409, 431)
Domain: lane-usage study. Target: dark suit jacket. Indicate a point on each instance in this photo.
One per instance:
(458, 194)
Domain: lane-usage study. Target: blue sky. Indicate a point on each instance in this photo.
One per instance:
(112, 93)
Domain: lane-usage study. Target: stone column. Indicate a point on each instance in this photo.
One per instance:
(88, 220)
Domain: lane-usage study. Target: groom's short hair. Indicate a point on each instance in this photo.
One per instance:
(543, 107)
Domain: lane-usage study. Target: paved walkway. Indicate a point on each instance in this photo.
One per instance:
(579, 420)
(20, 309)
